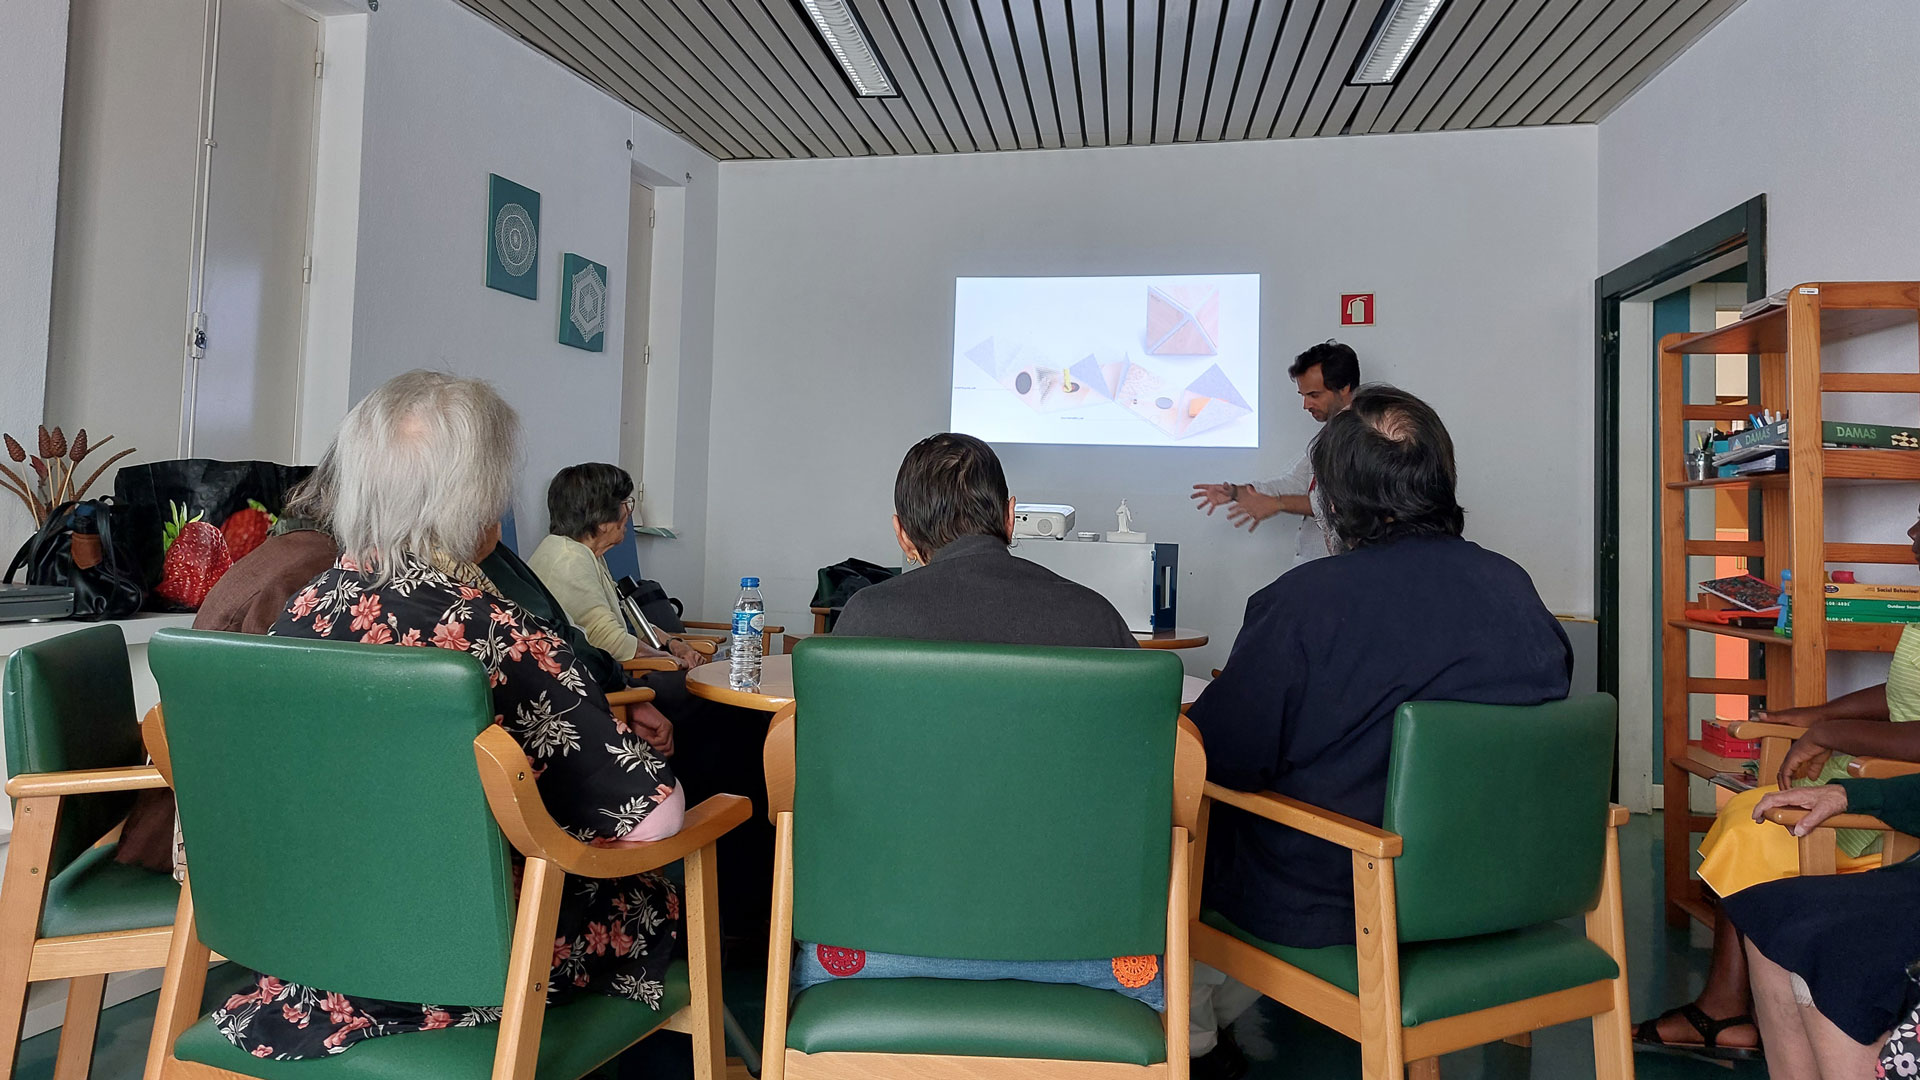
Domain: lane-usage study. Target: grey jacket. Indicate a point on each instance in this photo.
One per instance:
(975, 589)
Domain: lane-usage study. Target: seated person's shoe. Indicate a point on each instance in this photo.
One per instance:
(1223, 1062)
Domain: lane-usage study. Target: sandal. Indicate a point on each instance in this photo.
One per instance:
(1646, 1035)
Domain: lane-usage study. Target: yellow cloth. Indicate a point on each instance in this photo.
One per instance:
(1740, 852)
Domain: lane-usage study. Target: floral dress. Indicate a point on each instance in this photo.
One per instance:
(597, 778)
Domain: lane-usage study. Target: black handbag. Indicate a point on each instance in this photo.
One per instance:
(838, 583)
(661, 610)
(109, 589)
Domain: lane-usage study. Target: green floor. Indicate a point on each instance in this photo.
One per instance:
(1665, 969)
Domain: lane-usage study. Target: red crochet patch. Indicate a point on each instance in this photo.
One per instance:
(841, 962)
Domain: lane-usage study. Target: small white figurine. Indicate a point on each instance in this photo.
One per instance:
(1125, 534)
(1126, 517)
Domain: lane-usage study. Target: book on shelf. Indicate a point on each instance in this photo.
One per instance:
(1869, 436)
(1853, 590)
(1715, 739)
(1765, 303)
(1743, 591)
(1751, 443)
(1721, 762)
(1773, 461)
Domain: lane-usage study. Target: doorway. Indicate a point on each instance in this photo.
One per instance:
(1655, 294)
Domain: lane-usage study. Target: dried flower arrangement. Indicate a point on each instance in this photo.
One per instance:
(53, 469)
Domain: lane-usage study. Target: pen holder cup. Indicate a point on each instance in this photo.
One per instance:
(1699, 467)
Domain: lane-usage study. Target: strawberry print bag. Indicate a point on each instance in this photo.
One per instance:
(192, 518)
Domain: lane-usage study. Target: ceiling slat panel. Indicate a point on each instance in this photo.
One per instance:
(1202, 118)
(993, 63)
(1562, 82)
(972, 48)
(1553, 19)
(1426, 57)
(1056, 24)
(1176, 22)
(1371, 102)
(1656, 61)
(1592, 78)
(775, 78)
(728, 67)
(1492, 54)
(773, 91)
(1345, 107)
(1035, 58)
(998, 33)
(904, 24)
(1604, 16)
(624, 42)
(1459, 69)
(1333, 76)
(911, 110)
(537, 27)
(1203, 42)
(809, 87)
(1088, 44)
(1146, 65)
(1231, 113)
(950, 66)
(1284, 68)
(882, 136)
(1116, 63)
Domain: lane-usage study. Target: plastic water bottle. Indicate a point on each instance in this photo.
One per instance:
(749, 619)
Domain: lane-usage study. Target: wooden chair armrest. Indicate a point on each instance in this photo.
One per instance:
(703, 646)
(1617, 815)
(515, 801)
(1875, 768)
(1307, 818)
(85, 781)
(649, 663)
(1790, 817)
(776, 757)
(630, 697)
(1754, 729)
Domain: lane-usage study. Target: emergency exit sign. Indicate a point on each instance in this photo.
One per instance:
(1356, 309)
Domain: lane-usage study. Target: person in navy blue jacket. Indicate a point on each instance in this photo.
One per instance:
(1327, 654)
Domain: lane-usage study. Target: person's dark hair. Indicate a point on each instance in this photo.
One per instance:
(582, 498)
(1339, 365)
(950, 486)
(1385, 467)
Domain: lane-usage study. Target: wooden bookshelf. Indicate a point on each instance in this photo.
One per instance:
(1788, 340)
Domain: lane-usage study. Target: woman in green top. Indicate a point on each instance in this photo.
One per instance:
(1829, 955)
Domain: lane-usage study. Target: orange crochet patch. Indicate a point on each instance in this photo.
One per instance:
(1134, 972)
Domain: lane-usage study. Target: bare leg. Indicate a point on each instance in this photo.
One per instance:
(1726, 994)
(1791, 1054)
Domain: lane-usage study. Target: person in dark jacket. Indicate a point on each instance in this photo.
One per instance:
(952, 514)
(1327, 653)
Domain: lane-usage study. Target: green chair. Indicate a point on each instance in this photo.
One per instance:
(979, 802)
(67, 909)
(1497, 827)
(341, 837)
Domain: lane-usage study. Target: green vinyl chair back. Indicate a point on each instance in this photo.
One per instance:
(1503, 810)
(984, 802)
(68, 704)
(337, 835)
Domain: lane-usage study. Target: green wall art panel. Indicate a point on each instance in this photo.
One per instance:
(583, 303)
(513, 238)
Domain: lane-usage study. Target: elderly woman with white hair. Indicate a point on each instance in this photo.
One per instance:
(424, 469)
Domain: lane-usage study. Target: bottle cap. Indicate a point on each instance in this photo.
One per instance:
(749, 582)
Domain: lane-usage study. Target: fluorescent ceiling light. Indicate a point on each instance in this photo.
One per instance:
(1401, 25)
(840, 28)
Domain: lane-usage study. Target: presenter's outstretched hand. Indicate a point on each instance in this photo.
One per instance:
(1208, 496)
(1251, 509)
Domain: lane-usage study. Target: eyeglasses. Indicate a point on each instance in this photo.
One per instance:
(627, 503)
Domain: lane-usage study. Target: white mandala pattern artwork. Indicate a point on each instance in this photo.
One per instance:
(589, 314)
(515, 239)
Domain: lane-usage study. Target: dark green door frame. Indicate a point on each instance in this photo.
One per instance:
(1743, 226)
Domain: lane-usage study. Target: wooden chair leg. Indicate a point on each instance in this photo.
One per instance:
(181, 988)
(1818, 855)
(1607, 928)
(22, 893)
(773, 1041)
(1424, 1069)
(703, 966)
(1178, 983)
(518, 1051)
(77, 1031)
(1376, 931)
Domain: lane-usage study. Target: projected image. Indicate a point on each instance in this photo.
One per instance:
(1108, 361)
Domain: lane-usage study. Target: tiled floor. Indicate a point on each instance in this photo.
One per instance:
(1665, 968)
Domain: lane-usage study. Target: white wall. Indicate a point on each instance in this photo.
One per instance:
(835, 321)
(33, 53)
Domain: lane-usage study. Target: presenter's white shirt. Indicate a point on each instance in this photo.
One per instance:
(1316, 534)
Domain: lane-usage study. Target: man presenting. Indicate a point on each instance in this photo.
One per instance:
(1326, 376)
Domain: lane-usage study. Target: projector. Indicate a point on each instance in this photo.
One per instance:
(1045, 521)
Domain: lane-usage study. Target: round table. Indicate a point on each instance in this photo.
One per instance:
(776, 685)
(1180, 637)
